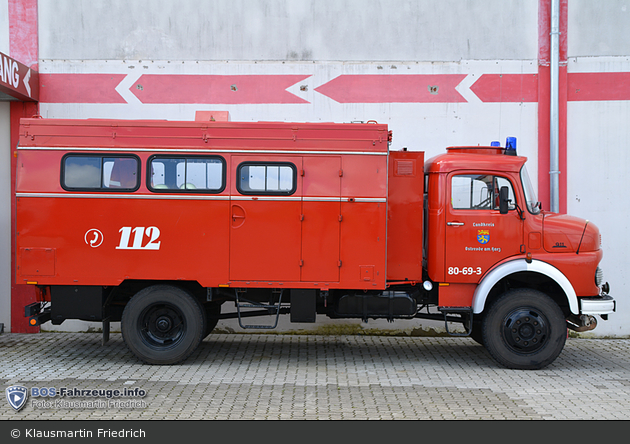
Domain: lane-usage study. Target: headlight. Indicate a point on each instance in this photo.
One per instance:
(599, 277)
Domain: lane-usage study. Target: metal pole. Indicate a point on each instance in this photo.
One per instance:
(554, 127)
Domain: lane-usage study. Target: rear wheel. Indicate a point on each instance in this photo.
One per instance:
(524, 329)
(163, 324)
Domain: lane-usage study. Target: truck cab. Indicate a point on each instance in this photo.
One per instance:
(522, 271)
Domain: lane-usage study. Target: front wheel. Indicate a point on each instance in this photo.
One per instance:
(524, 329)
(163, 324)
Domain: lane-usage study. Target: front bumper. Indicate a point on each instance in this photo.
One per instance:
(597, 305)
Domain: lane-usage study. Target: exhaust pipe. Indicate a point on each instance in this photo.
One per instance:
(582, 324)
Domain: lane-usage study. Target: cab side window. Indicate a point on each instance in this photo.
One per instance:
(479, 192)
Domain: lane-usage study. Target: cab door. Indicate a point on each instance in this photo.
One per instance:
(265, 218)
(477, 235)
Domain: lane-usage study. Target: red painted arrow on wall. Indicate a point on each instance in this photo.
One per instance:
(230, 89)
(506, 88)
(80, 88)
(393, 88)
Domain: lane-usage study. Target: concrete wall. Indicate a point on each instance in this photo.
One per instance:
(5, 216)
(599, 29)
(321, 42)
(340, 30)
(4, 26)
(598, 139)
(5, 186)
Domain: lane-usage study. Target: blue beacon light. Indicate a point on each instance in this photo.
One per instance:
(510, 146)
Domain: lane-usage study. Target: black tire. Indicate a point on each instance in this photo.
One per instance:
(524, 329)
(163, 324)
(212, 309)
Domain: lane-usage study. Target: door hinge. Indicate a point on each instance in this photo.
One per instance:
(339, 264)
(301, 263)
(340, 218)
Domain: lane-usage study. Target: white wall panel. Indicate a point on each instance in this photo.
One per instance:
(353, 30)
(598, 157)
(598, 28)
(5, 199)
(5, 216)
(4, 26)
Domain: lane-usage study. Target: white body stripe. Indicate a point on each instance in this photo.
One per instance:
(123, 196)
(191, 196)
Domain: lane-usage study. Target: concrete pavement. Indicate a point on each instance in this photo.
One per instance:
(302, 377)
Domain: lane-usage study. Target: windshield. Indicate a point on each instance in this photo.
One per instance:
(530, 195)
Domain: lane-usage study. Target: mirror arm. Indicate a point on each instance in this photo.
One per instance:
(518, 210)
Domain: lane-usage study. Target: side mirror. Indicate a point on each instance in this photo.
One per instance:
(504, 193)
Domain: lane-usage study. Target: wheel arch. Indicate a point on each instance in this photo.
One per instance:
(519, 273)
(131, 287)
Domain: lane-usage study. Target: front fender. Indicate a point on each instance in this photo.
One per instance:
(519, 265)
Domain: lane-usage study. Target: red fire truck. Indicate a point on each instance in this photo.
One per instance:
(160, 225)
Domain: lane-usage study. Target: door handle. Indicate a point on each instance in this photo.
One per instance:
(454, 224)
(238, 216)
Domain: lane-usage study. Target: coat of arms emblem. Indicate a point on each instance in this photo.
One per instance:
(483, 236)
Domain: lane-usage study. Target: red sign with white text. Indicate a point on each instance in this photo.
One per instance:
(18, 80)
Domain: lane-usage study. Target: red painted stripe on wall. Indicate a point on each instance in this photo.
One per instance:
(80, 88)
(219, 89)
(544, 95)
(23, 32)
(506, 88)
(23, 47)
(394, 88)
(593, 86)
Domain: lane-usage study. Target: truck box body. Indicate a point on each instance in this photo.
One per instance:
(335, 224)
